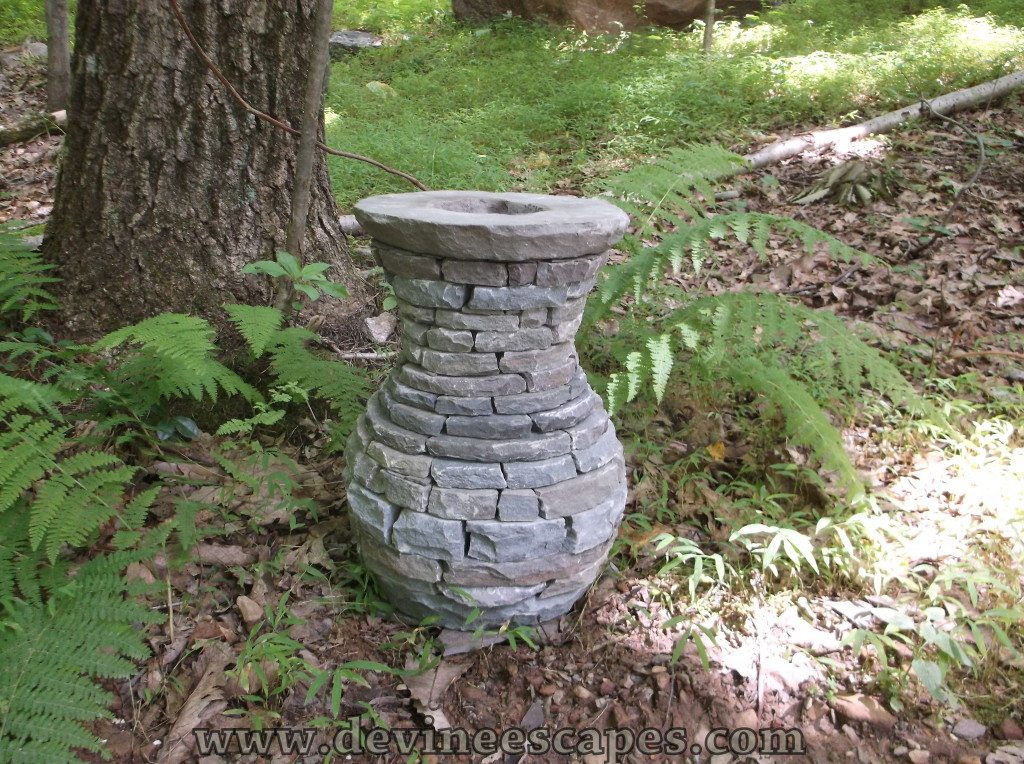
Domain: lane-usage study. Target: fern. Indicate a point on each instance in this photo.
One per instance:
(22, 278)
(257, 324)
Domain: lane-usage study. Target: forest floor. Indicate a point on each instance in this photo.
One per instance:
(260, 600)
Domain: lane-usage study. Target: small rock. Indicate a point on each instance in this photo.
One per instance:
(351, 41)
(251, 612)
(863, 708)
(919, 756)
(900, 751)
(968, 729)
(36, 49)
(381, 327)
(547, 690)
(969, 758)
(582, 693)
(1010, 729)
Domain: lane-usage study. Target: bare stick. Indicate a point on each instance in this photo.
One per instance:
(40, 124)
(306, 152)
(709, 25)
(58, 55)
(215, 70)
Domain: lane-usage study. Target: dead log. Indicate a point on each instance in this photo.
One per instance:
(944, 104)
(30, 127)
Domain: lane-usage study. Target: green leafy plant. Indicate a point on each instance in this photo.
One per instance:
(309, 279)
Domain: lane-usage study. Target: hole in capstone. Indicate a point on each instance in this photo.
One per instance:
(488, 207)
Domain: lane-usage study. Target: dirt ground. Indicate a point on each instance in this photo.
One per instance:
(778, 663)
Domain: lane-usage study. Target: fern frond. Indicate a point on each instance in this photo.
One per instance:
(257, 324)
(22, 279)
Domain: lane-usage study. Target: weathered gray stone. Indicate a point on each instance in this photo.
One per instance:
(556, 376)
(599, 454)
(412, 352)
(595, 526)
(375, 515)
(518, 506)
(459, 364)
(413, 465)
(385, 559)
(415, 331)
(514, 449)
(521, 274)
(410, 312)
(405, 492)
(349, 41)
(399, 262)
(391, 434)
(537, 360)
(450, 340)
(540, 473)
(462, 387)
(569, 310)
(409, 396)
(448, 404)
(581, 493)
(516, 298)
(491, 596)
(453, 473)
(495, 541)
(398, 588)
(589, 431)
(423, 534)
(495, 426)
(578, 384)
(413, 418)
(574, 583)
(521, 572)
(505, 227)
(475, 272)
(367, 472)
(567, 272)
(452, 319)
(582, 289)
(463, 504)
(530, 403)
(523, 339)
(533, 317)
(429, 294)
(568, 414)
(566, 330)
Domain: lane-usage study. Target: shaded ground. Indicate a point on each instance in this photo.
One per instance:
(778, 661)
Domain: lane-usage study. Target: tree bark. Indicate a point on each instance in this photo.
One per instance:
(58, 55)
(169, 187)
(709, 25)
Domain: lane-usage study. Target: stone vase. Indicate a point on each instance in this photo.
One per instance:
(485, 477)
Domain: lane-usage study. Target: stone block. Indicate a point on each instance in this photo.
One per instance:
(490, 596)
(375, 515)
(599, 454)
(515, 298)
(385, 559)
(462, 387)
(556, 273)
(589, 431)
(450, 340)
(533, 317)
(537, 360)
(449, 404)
(405, 492)
(410, 312)
(454, 473)
(523, 339)
(570, 311)
(463, 504)
(413, 465)
(400, 262)
(518, 506)
(555, 376)
(512, 450)
(565, 331)
(430, 294)
(495, 541)
(492, 427)
(530, 403)
(521, 274)
(475, 272)
(413, 418)
(470, 572)
(410, 396)
(568, 414)
(415, 331)
(459, 364)
(452, 319)
(583, 492)
(593, 527)
(389, 433)
(429, 536)
(538, 474)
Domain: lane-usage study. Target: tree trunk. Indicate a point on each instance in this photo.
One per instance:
(169, 187)
(709, 25)
(58, 55)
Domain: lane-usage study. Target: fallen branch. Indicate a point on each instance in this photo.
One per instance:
(31, 127)
(1004, 353)
(233, 92)
(942, 105)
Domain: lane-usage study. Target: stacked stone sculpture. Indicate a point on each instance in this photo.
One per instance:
(485, 477)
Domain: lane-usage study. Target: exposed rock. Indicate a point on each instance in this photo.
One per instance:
(968, 729)
(350, 41)
(381, 327)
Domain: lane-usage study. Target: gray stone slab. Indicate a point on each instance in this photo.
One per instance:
(589, 431)
(414, 418)
(454, 473)
(540, 473)
(547, 379)
(463, 504)
(570, 310)
(492, 427)
(412, 352)
(532, 448)
(350, 41)
(410, 312)
(409, 396)
(475, 272)
(503, 227)
(574, 583)
(429, 536)
(516, 298)
(379, 557)
(459, 364)
(448, 404)
(518, 506)
(496, 541)
(599, 454)
(521, 274)
(578, 384)
(430, 294)
(462, 387)
(566, 330)
(399, 262)
(523, 339)
(566, 272)
(405, 492)
(530, 403)
(414, 465)
(583, 492)
(582, 289)
(450, 340)
(568, 414)
(593, 527)
(389, 433)
(452, 319)
(415, 331)
(490, 596)
(537, 360)
(548, 567)
(375, 515)
(534, 317)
